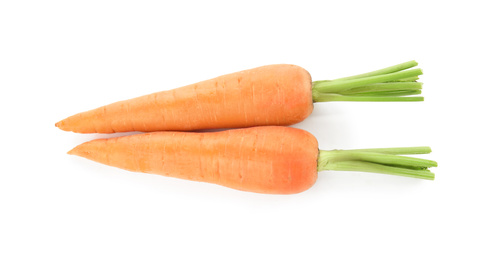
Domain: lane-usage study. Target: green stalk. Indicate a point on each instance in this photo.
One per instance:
(397, 150)
(336, 86)
(388, 84)
(380, 168)
(395, 93)
(410, 79)
(395, 68)
(388, 159)
(384, 87)
(336, 97)
(379, 160)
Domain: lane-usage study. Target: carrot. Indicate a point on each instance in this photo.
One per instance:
(267, 159)
(269, 95)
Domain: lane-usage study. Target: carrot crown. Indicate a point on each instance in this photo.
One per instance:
(395, 83)
(379, 160)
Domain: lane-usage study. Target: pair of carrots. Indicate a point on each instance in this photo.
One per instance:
(262, 155)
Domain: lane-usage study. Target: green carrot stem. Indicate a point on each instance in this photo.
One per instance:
(395, 93)
(409, 79)
(379, 168)
(391, 69)
(337, 86)
(348, 155)
(379, 160)
(408, 167)
(387, 84)
(397, 150)
(384, 87)
(323, 97)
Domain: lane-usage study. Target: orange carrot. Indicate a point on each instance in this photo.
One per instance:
(269, 95)
(270, 159)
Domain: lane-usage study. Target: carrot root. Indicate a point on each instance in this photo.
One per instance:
(270, 159)
(277, 94)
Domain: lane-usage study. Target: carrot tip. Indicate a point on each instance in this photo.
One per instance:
(75, 151)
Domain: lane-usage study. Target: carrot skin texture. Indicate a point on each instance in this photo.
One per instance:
(269, 160)
(269, 95)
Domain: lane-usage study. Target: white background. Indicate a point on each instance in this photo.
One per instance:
(58, 58)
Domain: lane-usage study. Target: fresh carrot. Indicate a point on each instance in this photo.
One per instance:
(266, 159)
(269, 95)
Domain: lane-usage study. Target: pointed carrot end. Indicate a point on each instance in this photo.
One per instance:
(84, 123)
(76, 151)
(88, 149)
(69, 124)
(80, 150)
(72, 152)
(59, 124)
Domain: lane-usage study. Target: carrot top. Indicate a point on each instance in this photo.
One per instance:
(379, 160)
(395, 83)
